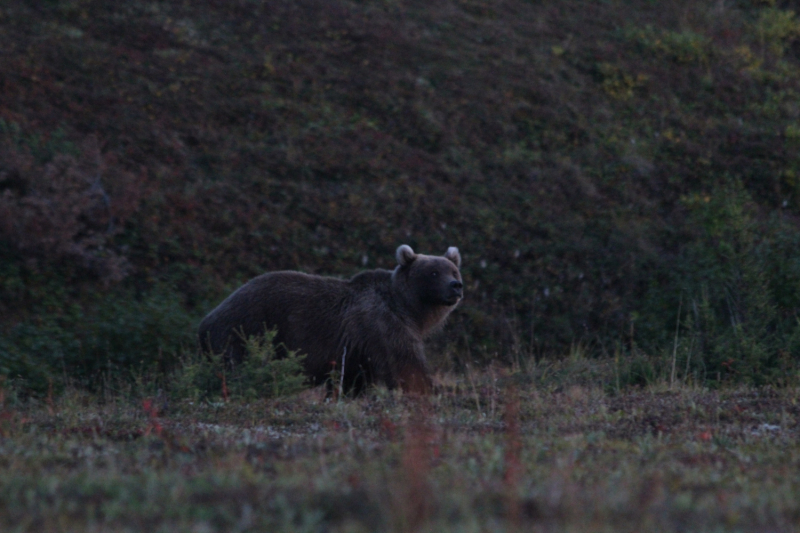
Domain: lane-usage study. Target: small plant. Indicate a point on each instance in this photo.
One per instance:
(262, 374)
(638, 370)
(619, 84)
(200, 377)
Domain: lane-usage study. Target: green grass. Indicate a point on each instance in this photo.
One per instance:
(489, 452)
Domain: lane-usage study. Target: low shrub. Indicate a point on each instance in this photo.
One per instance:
(85, 342)
(262, 374)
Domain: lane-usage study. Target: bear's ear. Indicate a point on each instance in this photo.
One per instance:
(405, 255)
(453, 255)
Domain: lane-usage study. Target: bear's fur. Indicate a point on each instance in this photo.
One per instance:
(379, 316)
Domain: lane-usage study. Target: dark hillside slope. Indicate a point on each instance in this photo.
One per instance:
(604, 167)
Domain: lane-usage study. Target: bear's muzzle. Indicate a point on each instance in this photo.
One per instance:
(455, 292)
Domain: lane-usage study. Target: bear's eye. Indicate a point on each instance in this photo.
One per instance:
(435, 273)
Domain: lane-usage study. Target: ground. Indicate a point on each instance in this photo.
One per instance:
(494, 451)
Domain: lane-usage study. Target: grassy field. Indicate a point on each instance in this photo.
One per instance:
(535, 450)
(622, 179)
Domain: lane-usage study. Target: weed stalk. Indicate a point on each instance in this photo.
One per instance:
(513, 464)
(675, 345)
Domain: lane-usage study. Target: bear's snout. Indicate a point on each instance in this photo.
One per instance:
(456, 289)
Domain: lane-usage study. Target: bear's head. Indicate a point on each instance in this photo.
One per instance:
(428, 279)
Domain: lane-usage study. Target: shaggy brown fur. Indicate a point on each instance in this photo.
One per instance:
(379, 316)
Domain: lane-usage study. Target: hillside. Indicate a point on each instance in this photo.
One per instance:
(620, 177)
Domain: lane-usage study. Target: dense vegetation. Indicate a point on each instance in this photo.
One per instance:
(621, 177)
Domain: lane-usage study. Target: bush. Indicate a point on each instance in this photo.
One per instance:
(207, 376)
(735, 281)
(114, 334)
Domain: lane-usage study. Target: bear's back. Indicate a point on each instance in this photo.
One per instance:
(300, 306)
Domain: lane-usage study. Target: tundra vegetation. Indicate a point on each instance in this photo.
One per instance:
(621, 177)
(547, 449)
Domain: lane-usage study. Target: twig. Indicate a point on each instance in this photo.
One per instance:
(675, 344)
(513, 464)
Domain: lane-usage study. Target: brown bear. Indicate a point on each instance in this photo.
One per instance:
(377, 319)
